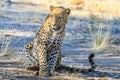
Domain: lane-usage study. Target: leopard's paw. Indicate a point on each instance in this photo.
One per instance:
(32, 68)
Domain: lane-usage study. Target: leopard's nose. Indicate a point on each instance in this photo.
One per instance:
(54, 25)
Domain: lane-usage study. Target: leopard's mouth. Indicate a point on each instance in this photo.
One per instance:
(54, 28)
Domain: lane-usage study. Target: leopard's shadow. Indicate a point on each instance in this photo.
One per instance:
(93, 73)
(103, 74)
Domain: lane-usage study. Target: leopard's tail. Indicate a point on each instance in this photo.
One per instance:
(74, 70)
(92, 63)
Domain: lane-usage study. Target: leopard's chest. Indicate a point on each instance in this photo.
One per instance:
(54, 43)
(55, 39)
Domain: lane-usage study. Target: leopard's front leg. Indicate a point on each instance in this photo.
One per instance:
(53, 59)
(43, 65)
(31, 55)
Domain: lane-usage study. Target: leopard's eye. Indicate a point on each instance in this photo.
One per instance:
(59, 18)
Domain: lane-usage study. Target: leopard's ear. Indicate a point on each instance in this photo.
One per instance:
(51, 7)
(67, 11)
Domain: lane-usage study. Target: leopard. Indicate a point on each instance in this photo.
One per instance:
(45, 50)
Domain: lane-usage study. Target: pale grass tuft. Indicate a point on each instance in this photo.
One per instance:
(101, 40)
(5, 50)
(5, 54)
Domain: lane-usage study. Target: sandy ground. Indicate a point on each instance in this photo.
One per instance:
(18, 24)
(15, 71)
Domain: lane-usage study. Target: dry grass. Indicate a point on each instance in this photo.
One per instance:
(77, 2)
(110, 8)
(5, 50)
(101, 39)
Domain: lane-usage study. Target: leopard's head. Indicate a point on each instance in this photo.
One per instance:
(58, 18)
